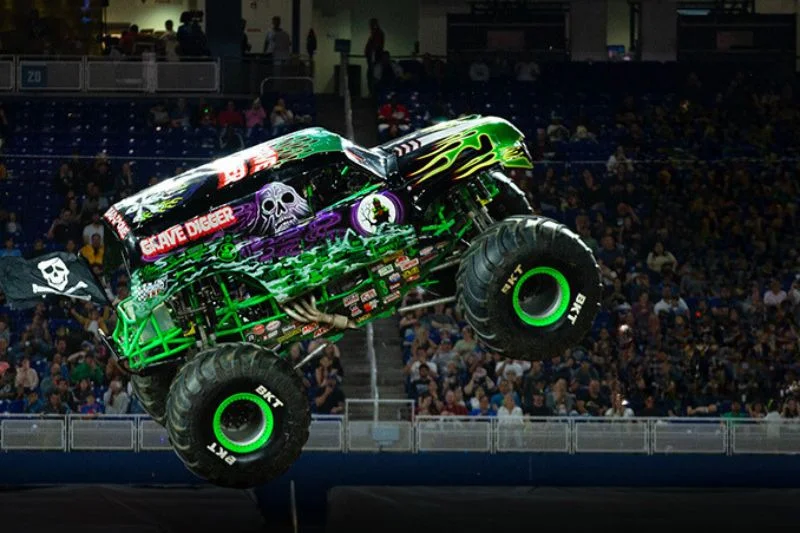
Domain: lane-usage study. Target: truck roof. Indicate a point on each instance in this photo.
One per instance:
(207, 188)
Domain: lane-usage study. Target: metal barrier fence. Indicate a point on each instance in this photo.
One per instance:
(392, 428)
(103, 74)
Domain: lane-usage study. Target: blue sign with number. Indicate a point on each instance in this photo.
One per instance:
(33, 76)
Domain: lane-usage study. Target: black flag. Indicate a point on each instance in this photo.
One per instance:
(25, 282)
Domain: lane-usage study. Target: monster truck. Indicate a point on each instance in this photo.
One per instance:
(307, 236)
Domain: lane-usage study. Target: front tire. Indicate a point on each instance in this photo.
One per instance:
(152, 389)
(529, 287)
(237, 415)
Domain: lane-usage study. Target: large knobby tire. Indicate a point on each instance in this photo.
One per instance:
(152, 389)
(529, 287)
(237, 415)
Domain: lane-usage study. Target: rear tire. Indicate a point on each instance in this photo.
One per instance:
(529, 287)
(237, 415)
(152, 389)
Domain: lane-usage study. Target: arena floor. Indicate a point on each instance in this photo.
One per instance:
(119, 509)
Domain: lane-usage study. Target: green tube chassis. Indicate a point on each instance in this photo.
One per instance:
(222, 252)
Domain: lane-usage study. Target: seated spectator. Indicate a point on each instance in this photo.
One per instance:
(10, 249)
(90, 407)
(592, 401)
(115, 399)
(619, 160)
(254, 116)
(55, 406)
(230, 116)
(94, 252)
(420, 359)
(556, 131)
(281, 118)
(330, 398)
(582, 134)
(509, 412)
(506, 388)
(50, 382)
(484, 408)
(86, 367)
(650, 408)
(671, 303)
(94, 320)
(539, 408)
(26, 378)
(452, 407)
(33, 403)
(660, 258)
(419, 386)
(393, 119)
(775, 296)
(619, 408)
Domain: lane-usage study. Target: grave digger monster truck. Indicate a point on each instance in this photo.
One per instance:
(307, 236)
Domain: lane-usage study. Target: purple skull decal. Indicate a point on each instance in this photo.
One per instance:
(279, 207)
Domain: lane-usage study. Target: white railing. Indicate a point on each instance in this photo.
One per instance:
(101, 74)
(424, 434)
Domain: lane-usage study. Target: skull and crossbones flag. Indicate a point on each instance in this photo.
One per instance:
(25, 282)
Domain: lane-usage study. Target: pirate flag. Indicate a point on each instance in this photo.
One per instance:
(26, 282)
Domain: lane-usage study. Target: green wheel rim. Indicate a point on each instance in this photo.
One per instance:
(555, 309)
(253, 442)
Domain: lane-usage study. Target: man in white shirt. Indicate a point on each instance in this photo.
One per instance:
(620, 408)
(509, 412)
(278, 43)
(670, 303)
(94, 227)
(775, 296)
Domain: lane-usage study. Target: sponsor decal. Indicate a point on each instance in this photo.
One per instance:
(408, 264)
(575, 310)
(371, 306)
(409, 273)
(182, 234)
(400, 260)
(321, 331)
(391, 297)
(287, 336)
(512, 279)
(350, 299)
(308, 328)
(272, 400)
(274, 325)
(250, 337)
(369, 295)
(150, 289)
(385, 271)
(259, 330)
(355, 311)
(374, 210)
(238, 166)
(428, 250)
(290, 327)
(413, 277)
(363, 318)
(394, 286)
(117, 222)
(272, 334)
(395, 278)
(221, 452)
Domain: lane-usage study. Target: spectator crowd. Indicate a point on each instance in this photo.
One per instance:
(699, 253)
